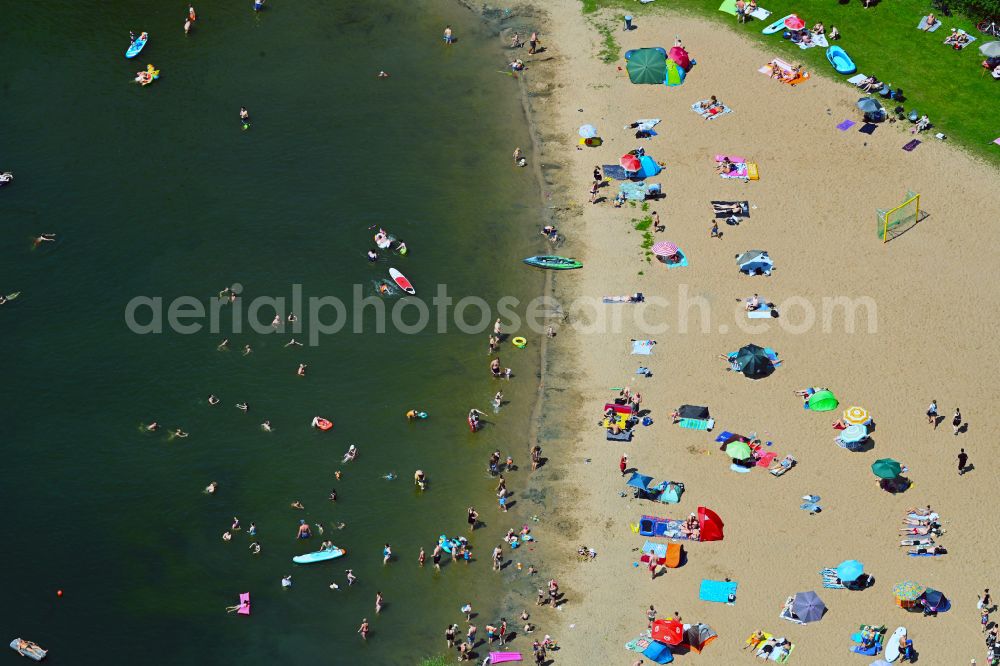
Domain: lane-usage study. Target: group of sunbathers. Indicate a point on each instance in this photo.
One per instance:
(957, 39)
(921, 525)
(710, 105)
(785, 75)
(765, 648)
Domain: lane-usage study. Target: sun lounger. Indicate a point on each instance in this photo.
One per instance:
(697, 424)
(718, 591)
(923, 25)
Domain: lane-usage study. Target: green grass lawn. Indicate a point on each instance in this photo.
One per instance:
(951, 87)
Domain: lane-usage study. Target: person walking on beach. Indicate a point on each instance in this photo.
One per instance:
(623, 464)
(932, 413)
(502, 631)
(963, 461)
(715, 230)
(650, 615)
(533, 43)
(956, 421)
(985, 601)
(536, 457)
(593, 191)
(598, 177)
(656, 222)
(497, 557)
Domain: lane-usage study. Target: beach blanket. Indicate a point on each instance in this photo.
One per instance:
(643, 347)
(697, 424)
(766, 459)
(638, 644)
(725, 437)
(741, 167)
(668, 528)
(971, 39)
(717, 590)
(644, 124)
(868, 128)
(763, 311)
(760, 14)
(846, 125)
(728, 7)
(657, 550)
(857, 78)
(615, 171)
(830, 580)
(911, 145)
(814, 40)
(742, 209)
(638, 191)
(679, 264)
(923, 25)
(709, 114)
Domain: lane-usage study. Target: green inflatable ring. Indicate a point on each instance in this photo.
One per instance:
(519, 342)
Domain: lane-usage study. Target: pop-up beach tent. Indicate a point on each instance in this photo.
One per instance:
(710, 524)
(697, 636)
(658, 652)
(822, 401)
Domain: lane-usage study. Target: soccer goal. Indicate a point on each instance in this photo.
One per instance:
(894, 221)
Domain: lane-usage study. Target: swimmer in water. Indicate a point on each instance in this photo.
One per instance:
(391, 476)
(293, 343)
(383, 288)
(337, 475)
(372, 255)
(224, 345)
(242, 406)
(382, 74)
(210, 488)
(412, 414)
(178, 433)
(153, 427)
(498, 400)
(420, 479)
(244, 115)
(351, 454)
(44, 238)
(226, 536)
(247, 350)
(401, 248)
(212, 400)
(292, 318)
(255, 548)
(350, 576)
(252, 530)
(276, 322)
(301, 372)
(298, 505)
(266, 426)
(333, 495)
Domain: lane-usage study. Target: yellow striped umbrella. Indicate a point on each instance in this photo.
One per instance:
(857, 415)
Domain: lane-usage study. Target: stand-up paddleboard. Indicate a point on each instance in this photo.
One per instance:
(321, 423)
(320, 555)
(401, 281)
(892, 645)
(777, 26)
(136, 46)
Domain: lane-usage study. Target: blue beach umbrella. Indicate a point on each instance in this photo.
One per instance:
(850, 570)
(639, 481)
(588, 132)
(854, 434)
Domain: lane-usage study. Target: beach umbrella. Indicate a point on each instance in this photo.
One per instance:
(908, 590)
(665, 249)
(588, 132)
(753, 362)
(990, 49)
(869, 105)
(857, 415)
(849, 570)
(853, 434)
(808, 607)
(886, 468)
(680, 56)
(793, 22)
(639, 481)
(738, 450)
(647, 66)
(670, 632)
(630, 162)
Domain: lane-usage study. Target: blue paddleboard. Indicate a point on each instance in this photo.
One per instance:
(777, 26)
(136, 46)
(320, 556)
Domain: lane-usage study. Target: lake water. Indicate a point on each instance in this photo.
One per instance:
(157, 192)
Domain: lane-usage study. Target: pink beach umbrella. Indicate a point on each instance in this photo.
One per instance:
(665, 249)
(794, 23)
(630, 162)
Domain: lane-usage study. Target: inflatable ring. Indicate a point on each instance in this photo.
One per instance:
(519, 342)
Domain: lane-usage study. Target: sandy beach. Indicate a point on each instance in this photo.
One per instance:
(923, 330)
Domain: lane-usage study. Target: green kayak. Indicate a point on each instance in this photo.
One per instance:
(552, 261)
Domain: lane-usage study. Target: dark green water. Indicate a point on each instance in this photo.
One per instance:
(157, 192)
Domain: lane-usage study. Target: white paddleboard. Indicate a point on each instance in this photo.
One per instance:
(401, 281)
(892, 645)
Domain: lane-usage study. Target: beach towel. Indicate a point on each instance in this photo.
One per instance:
(678, 264)
(762, 312)
(742, 211)
(868, 128)
(728, 6)
(712, 113)
(615, 171)
(830, 580)
(766, 459)
(857, 78)
(718, 591)
(760, 14)
(923, 25)
(846, 125)
(911, 145)
(646, 123)
(740, 172)
(804, 76)
(697, 424)
(739, 469)
(815, 40)
(657, 550)
(638, 644)
(643, 347)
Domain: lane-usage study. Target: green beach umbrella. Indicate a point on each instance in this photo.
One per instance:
(823, 401)
(886, 468)
(738, 450)
(647, 66)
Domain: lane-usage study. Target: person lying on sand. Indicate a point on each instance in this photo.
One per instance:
(725, 166)
(710, 103)
(753, 303)
(933, 550)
